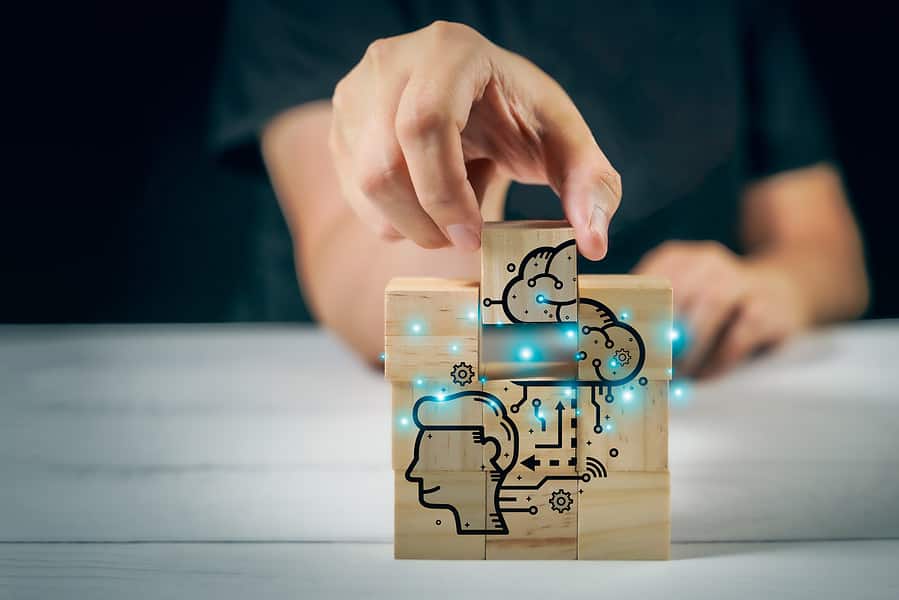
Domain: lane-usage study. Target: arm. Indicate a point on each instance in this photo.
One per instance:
(804, 265)
(342, 264)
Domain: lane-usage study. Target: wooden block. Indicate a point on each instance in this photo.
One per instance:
(528, 272)
(625, 516)
(625, 328)
(542, 416)
(542, 523)
(431, 330)
(425, 431)
(625, 429)
(443, 523)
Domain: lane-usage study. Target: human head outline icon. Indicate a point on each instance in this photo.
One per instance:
(440, 490)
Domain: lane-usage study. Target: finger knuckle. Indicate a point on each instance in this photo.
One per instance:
(377, 51)
(612, 180)
(374, 181)
(387, 232)
(449, 30)
(423, 118)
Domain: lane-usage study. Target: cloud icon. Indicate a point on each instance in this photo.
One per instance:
(610, 346)
(544, 287)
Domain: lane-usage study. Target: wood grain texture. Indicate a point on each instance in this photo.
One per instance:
(550, 534)
(541, 434)
(425, 532)
(631, 433)
(641, 302)
(430, 325)
(625, 516)
(439, 450)
(550, 272)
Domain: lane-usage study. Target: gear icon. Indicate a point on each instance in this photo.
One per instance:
(623, 356)
(560, 501)
(462, 373)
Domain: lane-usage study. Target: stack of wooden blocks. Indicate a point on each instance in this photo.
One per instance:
(530, 413)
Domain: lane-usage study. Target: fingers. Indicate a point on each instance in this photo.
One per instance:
(431, 115)
(581, 174)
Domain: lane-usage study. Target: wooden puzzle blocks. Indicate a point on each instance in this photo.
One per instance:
(530, 413)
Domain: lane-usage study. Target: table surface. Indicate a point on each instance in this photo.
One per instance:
(193, 461)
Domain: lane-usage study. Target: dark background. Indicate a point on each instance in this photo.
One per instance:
(116, 211)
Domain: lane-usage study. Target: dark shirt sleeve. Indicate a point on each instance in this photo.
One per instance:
(787, 123)
(279, 54)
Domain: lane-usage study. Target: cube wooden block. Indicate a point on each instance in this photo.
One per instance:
(528, 273)
(625, 328)
(544, 419)
(625, 429)
(439, 515)
(431, 330)
(543, 523)
(422, 433)
(625, 516)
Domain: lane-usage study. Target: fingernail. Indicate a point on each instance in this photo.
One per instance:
(464, 237)
(599, 222)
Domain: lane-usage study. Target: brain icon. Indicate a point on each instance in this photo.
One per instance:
(612, 347)
(544, 288)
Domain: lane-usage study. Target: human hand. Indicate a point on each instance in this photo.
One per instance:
(427, 120)
(729, 306)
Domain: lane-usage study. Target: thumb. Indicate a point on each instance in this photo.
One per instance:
(582, 176)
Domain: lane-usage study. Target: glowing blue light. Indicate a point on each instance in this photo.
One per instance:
(613, 363)
(670, 372)
(416, 327)
(568, 392)
(608, 426)
(570, 333)
(493, 404)
(525, 353)
(540, 415)
(454, 348)
(472, 315)
(577, 412)
(382, 356)
(483, 379)
(404, 421)
(678, 392)
(441, 396)
(419, 382)
(628, 395)
(624, 316)
(541, 298)
(674, 335)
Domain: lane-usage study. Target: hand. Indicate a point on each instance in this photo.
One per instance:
(729, 306)
(427, 120)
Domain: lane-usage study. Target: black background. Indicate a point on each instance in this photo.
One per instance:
(114, 210)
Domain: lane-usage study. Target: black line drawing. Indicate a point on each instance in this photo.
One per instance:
(560, 501)
(462, 373)
(595, 468)
(540, 291)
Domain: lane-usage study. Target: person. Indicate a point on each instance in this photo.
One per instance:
(678, 140)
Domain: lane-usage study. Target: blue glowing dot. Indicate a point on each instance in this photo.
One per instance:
(577, 412)
(670, 371)
(608, 426)
(525, 354)
(382, 356)
(568, 392)
(419, 382)
(472, 315)
(540, 415)
(416, 327)
(483, 379)
(404, 421)
(613, 363)
(678, 392)
(493, 404)
(628, 395)
(674, 335)
(570, 333)
(624, 316)
(441, 396)
(454, 347)
(541, 298)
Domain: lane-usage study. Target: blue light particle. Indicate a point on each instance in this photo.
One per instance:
(416, 328)
(570, 333)
(382, 356)
(454, 348)
(472, 315)
(419, 382)
(625, 316)
(674, 335)
(525, 353)
(404, 421)
(483, 379)
(678, 392)
(541, 298)
(628, 396)
(613, 363)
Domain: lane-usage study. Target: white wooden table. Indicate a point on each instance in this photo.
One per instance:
(236, 461)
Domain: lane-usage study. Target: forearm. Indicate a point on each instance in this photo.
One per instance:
(802, 238)
(342, 265)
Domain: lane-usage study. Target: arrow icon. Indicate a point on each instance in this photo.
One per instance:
(531, 462)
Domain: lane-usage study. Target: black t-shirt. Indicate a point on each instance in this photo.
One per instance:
(689, 100)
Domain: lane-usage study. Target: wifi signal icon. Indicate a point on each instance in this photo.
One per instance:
(596, 468)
